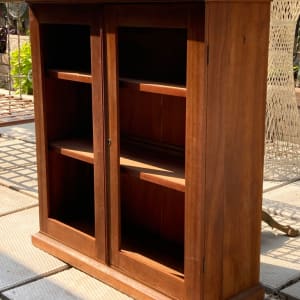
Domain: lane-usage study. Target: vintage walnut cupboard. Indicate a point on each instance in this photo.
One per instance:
(150, 138)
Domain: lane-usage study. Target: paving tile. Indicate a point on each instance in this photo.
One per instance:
(269, 184)
(18, 165)
(11, 201)
(292, 292)
(16, 153)
(274, 276)
(20, 261)
(67, 285)
(21, 179)
(289, 194)
(284, 201)
(280, 257)
(282, 168)
(25, 132)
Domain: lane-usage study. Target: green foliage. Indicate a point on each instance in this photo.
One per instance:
(21, 69)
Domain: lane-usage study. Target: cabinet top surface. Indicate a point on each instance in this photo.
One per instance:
(134, 1)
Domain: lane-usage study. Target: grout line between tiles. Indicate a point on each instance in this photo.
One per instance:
(280, 185)
(19, 209)
(10, 137)
(35, 278)
(31, 164)
(17, 189)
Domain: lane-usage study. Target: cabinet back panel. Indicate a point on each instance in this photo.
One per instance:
(71, 189)
(66, 47)
(152, 209)
(153, 54)
(155, 117)
(69, 109)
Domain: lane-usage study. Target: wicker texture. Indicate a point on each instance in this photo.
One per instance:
(282, 144)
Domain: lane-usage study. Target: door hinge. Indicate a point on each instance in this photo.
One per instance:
(203, 264)
(109, 142)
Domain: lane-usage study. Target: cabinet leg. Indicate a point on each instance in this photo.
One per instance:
(284, 228)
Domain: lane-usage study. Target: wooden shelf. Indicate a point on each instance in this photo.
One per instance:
(153, 167)
(81, 149)
(153, 87)
(70, 75)
(147, 166)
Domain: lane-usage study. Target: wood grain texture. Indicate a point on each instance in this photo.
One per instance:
(99, 120)
(158, 16)
(161, 172)
(153, 87)
(39, 111)
(154, 212)
(255, 293)
(161, 118)
(134, 1)
(112, 83)
(73, 76)
(152, 275)
(68, 107)
(72, 237)
(195, 155)
(127, 109)
(76, 148)
(235, 145)
(56, 14)
(71, 208)
(164, 200)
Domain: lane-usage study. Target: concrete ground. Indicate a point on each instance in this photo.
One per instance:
(28, 273)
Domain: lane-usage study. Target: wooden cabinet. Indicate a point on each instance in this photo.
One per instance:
(150, 138)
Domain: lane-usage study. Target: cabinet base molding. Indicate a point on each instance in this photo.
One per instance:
(255, 293)
(114, 278)
(96, 269)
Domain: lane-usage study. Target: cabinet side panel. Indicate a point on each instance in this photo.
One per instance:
(214, 192)
(37, 73)
(238, 45)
